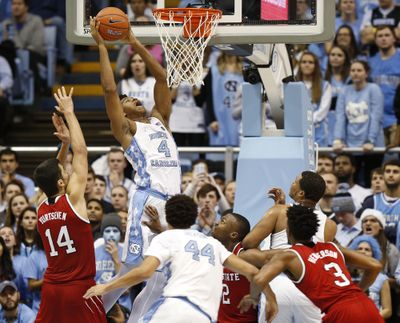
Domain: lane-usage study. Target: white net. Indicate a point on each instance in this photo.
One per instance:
(184, 36)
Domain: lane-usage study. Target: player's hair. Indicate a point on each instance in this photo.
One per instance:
(9, 151)
(207, 188)
(382, 27)
(391, 162)
(46, 176)
(302, 222)
(181, 211)
(242, 223)
(347, 155)
(313, 186)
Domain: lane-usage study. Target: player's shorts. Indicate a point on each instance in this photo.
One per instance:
(175, 310)
(64, 303)
(139, 236)
(358, 308)
(293, 305)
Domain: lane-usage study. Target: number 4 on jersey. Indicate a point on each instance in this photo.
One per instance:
(63, 240)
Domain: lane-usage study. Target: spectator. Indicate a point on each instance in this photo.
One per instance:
(388, 202)
(349, 226)
(119, 198)
(11, 310)
(303, 11)
(337, 74)
(208, 197)
(324, 164)
(344, 169)
(89, 184)
(320, 93)
(186, 180)
(13, 188)
(6, 267)
(229, 192)
(386, 73)
(348, 16)
(6, 83)
(396, 108)
(345, 38)
(27, 235)
(16, 205)
(3, 205)
(27, 32)
(139, 8)
(8, 167)
(95, 214)
(325, 203)
(221, 89)
(99, 191)
(377, 181)
(379, 291)
(137, 82)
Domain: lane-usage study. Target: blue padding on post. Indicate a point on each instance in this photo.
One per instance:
(252, 110)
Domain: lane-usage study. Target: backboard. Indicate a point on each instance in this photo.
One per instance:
(243, 21)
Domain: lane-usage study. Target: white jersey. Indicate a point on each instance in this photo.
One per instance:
(142, 91)
(194, 264)
(154, 157)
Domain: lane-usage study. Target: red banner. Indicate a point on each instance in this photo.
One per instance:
(274, 10)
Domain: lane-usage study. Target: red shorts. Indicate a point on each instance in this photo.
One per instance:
(64, 303)
(358, 308)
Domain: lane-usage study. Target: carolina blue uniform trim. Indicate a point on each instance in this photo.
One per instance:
(153, 309)
(136, 155)
(187, 300)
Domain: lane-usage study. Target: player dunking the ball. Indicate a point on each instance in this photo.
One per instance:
(151, 149)
(65, 229)
(319, 271)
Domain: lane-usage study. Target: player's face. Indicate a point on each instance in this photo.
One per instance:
(307, 65)
(365, 249)
(11, 190)
(112, 233)
(336, 57)
(29, 220)
(371, 226)
(223, 228)
(99, 188)
(295, 188)
(377, 183)
(119, 198)
(358, 73)
(9, 298)
(230, 191)
(89, 183)
(8, 236)
(94, 211)
(116, 162)
(325, 165)
(384, 39)
(133, 108)
(391, 176)
(331, 183)
(8, 164)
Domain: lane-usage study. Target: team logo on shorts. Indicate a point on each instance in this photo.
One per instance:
(134, 248)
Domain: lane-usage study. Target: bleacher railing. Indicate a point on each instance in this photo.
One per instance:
(229, 152)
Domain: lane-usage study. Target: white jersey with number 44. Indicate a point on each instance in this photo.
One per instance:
(193, 263)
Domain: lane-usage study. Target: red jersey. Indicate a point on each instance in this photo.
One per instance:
(234, 287)
(67, 240)
(325, 280)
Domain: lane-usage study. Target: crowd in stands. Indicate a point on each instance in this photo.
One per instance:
(354, 87)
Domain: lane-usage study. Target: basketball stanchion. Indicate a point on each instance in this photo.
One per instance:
(185, 33)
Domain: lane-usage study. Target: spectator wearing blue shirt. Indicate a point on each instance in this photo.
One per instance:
(349, 16)
(11, 310)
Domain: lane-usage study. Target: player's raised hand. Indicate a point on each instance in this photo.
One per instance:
(96, 290)
(64, 100)
(278, 195)
(62, 132)
(94, 31)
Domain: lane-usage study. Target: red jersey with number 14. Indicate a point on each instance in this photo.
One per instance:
(325, 279)
(234, 287)
(67, 240)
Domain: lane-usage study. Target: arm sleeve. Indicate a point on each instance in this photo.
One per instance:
(340, 125)
(160, 247)
(325, 103)
(376, 113)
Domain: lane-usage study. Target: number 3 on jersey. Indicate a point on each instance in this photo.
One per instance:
(63, 240)
(343, 281)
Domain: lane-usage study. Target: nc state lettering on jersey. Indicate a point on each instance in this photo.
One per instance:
(53, 216)
(314, 257)
(231, 277)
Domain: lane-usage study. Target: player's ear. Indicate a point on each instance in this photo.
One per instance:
(234, 235)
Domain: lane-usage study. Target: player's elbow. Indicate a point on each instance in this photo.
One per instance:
(259, 280)
(109, 87)
(144, 274)
(376, 266)
(248, 243)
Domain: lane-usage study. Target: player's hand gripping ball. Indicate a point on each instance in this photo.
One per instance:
(114, 23)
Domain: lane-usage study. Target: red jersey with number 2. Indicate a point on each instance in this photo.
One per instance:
(67, 240)
(234, 287)
(327, 283)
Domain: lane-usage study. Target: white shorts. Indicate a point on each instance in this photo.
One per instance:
(174, 310)
(293, 305)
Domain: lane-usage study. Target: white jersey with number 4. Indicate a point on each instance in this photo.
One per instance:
(154, 157)
(193, 263)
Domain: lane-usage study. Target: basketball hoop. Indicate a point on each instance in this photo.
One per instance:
(185, 33)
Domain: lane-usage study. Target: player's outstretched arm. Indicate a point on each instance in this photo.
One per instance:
(258, 257)
(371, 266)
(62, 133)
(120, 126)
(133, 277)
(162, 93)
(263, 228)
(77, 182)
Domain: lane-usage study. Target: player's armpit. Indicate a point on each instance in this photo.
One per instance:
(234, 263)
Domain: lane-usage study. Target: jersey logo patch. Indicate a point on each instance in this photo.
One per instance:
(134, 248)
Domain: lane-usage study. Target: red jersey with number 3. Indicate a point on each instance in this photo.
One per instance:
(67, 240)
(234, 287)
(325, 279)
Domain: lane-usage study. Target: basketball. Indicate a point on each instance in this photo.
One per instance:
(114, 23)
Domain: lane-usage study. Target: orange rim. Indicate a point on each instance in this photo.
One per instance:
(181, 13)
